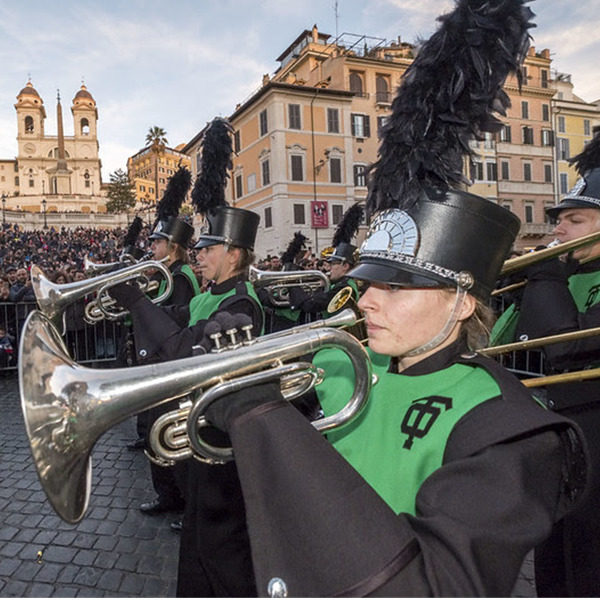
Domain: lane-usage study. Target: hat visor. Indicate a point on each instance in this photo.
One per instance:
(554, 211)
(391, 272)
(158, 236)
(204, 241)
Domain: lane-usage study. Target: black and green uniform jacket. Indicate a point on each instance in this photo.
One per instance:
(440, 491)
(568, 563)
(318, 302)
(185, 284)
(551, 305)
(214, 556)
(171, 332)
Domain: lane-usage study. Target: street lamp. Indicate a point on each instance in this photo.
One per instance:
(3, 209)
(44, 209)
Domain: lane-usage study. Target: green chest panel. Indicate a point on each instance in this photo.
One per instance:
(400, 437)
(585, 289)
(288, 313)
(205, 304)
(187, 271)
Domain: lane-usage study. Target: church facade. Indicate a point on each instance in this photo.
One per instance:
(54, 173)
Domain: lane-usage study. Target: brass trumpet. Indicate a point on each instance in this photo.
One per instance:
(67, 407)
(278, 283)
(125, 259)
(52, 299)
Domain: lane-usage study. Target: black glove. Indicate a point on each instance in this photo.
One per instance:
(126, 295)
(224, 411)
(297, 296)
(552, 269)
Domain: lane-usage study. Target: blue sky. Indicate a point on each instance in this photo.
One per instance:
(177, 64)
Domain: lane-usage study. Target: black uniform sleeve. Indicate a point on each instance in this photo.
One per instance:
(317, 302)
(548, 308)
(161, 336)
(329, 533)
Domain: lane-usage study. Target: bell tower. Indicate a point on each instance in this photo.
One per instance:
(85, 115)
(30, 115)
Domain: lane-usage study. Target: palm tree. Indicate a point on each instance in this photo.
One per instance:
(157, 138)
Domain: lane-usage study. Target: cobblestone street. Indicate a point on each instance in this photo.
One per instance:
(115, 551)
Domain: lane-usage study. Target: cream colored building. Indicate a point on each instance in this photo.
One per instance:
(56, 173)
(306, 136)
(573, 121)
(150, 169)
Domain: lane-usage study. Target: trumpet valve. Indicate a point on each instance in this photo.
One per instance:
(216, 340)
(234, 341)
(247, 331)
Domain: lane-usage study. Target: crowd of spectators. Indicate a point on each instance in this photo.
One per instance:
(60, 254)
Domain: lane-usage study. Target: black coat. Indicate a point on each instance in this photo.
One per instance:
(510, 469)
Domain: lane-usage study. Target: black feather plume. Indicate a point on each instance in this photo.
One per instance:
(447, 97)
(133, 232)
(589, 157)
(177, 187)
(209, 188)
(348, 226)
(293, 248)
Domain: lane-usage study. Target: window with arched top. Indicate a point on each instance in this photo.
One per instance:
(85, 126)
(382, 89)
(28, 124)
(356, 84)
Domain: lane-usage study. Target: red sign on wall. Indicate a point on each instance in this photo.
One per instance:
(318, 212)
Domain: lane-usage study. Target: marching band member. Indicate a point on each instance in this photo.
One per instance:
(214, 556)
(279, 317)
(563, 296)
(170, 239)
(342, 260)
(453, 472)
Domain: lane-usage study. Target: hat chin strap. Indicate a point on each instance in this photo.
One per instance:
(446, 330)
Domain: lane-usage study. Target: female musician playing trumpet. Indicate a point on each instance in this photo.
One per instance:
(453, 472)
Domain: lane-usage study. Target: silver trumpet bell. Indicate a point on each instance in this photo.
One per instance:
(67, 407)
(53, 299)
(278, 283)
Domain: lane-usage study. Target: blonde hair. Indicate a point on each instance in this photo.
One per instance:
(478, 326)
(178, 252)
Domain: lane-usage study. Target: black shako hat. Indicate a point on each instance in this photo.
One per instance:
(344, 252)
(425, 230)
(586, 192)
(343, 249)
(224, 224)
(229, 225)
(459, 240)
(174, 229)
(168, 224)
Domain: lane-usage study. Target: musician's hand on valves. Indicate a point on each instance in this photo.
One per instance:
(226, 410)
(126, 295)
(297, 296)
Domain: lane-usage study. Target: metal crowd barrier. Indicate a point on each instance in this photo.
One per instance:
(101, 343)
(96, 344)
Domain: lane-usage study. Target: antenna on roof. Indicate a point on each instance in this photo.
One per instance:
(336, 14)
